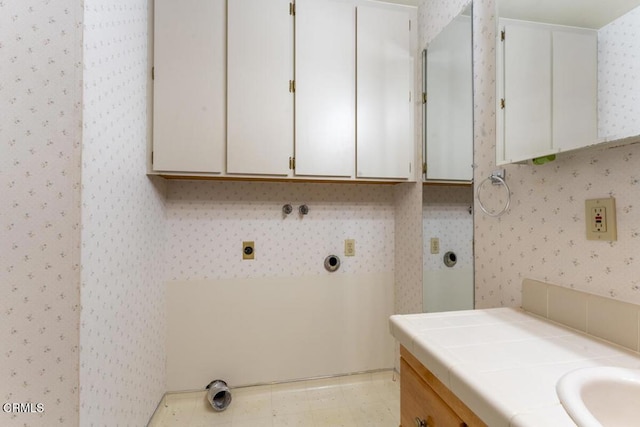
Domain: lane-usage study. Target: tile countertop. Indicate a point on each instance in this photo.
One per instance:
(504, 363)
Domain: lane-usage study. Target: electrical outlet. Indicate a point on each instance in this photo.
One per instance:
(600, 221)
(435, 245)
(248, 250)
(350, 247)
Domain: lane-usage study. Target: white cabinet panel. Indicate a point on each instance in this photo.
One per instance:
(325, 88)
(259, 104)
(384, 86)
(189, 86)
(449, 107)
(575, 85)
(527, 92)
(548, 74)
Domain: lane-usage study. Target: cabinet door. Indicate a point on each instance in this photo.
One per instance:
(418, 402)
(384, 85)
(527, 92)
(259, 104)
(449, 107)
(575, 86)
(325, 88)
(189, 86)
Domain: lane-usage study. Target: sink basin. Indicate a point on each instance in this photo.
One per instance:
(601, 396)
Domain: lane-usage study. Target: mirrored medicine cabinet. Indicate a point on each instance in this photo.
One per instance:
(447, 72)
(568, 76)
(447, 64)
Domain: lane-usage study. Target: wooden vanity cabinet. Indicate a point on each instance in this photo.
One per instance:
(425, 401)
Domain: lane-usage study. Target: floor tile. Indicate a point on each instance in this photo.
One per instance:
(360, 400)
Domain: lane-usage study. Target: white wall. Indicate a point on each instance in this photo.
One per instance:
(40, 95)
(122, 357)
(284, 316)
(259, 330)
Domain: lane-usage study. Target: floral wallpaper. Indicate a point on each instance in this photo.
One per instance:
(122, 333)
(408, 248)
(618, 85)
(208, 221)
(542, 236)
(40, 96)
(445, 215)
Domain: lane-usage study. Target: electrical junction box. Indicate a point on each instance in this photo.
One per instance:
(600, 215)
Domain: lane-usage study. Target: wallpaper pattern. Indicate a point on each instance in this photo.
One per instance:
(40, 95)
(122, 338)
(208, 221)
(542, 236)
(618, 83)
(408, 248)
(445, 215)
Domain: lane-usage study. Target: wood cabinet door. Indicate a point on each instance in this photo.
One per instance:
(189, 86)
(259, 100)
(418, 402)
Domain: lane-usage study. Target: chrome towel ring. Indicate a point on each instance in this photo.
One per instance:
(497, 177)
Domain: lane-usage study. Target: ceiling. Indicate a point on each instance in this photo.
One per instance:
(577, 13)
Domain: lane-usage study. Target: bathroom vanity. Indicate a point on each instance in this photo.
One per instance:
(496, 367)
(426, 401)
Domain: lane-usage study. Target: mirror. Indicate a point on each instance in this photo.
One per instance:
(448, 102)
(585, 91)
(448, 130)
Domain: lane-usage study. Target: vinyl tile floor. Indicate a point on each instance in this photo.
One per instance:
(370, 399)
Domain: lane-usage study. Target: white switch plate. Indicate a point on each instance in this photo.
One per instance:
(600, 218)
(435, 245)
(350, 247)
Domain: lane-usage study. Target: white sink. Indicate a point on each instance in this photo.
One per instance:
(601, 396)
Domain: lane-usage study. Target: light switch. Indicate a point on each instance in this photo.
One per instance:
(601, 219)
(350, 247)
(435, 245)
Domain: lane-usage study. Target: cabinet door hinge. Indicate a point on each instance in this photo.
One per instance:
(502, 104)
(292, 9)
(424, 97)
(424, 167)
(502, 35)
(152, 158)
(292, 163)
(153, 73)
(292, 86)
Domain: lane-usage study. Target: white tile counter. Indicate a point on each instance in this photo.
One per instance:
(504, 363)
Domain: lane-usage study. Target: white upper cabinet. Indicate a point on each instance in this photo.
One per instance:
(575, 82)
(527, 92)
(189, 86)
(319, 89)
(547, 83)
(385, 137)
(259, 101)
(325, 92)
